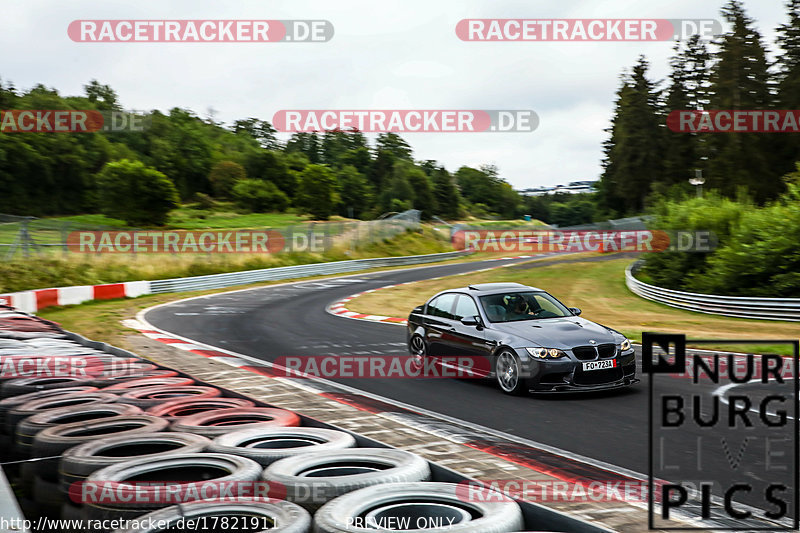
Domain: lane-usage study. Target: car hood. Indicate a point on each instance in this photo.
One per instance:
(561, 333)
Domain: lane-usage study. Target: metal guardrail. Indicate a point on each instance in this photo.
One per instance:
(229, 279)
(737, 306)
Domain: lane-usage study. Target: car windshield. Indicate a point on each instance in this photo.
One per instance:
(516, 306)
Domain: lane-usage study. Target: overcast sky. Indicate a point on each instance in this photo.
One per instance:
(385, 55)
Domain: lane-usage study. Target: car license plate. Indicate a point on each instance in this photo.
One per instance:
(600, 365)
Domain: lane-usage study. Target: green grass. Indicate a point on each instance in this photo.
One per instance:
(598, 288)
(225, 217)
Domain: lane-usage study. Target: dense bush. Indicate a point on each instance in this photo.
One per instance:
(757, 254)
(224, 176)
(678, 270)
(137, 194)
(259, 195)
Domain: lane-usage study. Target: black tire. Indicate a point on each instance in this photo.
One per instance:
(418, 350)
(508, 368)
(79, 462)
(29, 427)
(15, 387)
(265, 446)
(119, 377)
(147, 397)
(313, 479)
(6, 404)
(190, 469)
(120, 385)
(52, 442)
(188, 407)
(215, 423)
(21, 412)
(436, 502)
(286, 517)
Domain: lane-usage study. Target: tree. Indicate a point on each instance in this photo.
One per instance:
(354, 191)
(317, 192)
(632, 154)
(223, 176)
(394, 144)
(260, 130)
(271, 166)
(446, 194)
(259, 196)
(137, 194)
(688, 84)
(788, 86)
(102, 96)
(420, 185)
(739, 80)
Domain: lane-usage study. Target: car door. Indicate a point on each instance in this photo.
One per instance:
(439, 323)
(466, 340)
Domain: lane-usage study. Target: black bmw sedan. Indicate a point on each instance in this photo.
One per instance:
(531, 341)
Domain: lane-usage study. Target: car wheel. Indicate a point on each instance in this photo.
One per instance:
(418, 350)
(507, 369)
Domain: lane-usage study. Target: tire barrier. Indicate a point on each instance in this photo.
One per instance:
(79, 462)
(214, 423)
(265, 446)
(115, 378)
(17, 386)
(188, 407)
(146, 397)
(29, 427)
(144, 478)
(118, 386)
(50, 443)
(21, 412)
(9, 403)
(313, 479)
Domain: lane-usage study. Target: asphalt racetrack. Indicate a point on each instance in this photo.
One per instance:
(608, 428)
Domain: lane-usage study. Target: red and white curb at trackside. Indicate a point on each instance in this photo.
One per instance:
(196, 348)
(35, 300)
(339, 307)
(38, 299)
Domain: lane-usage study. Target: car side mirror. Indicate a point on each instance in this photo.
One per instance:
(575, 311)
(471, 321)
(418, 309)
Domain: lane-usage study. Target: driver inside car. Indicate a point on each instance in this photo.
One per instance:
(518, 306)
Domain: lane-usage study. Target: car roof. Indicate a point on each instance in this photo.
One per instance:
(482, 289)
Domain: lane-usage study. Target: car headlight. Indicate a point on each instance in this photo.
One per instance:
(625, 346)
(543, 353)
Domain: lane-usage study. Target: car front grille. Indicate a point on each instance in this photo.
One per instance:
(597, 377)
(607, 350)
(585, 353)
